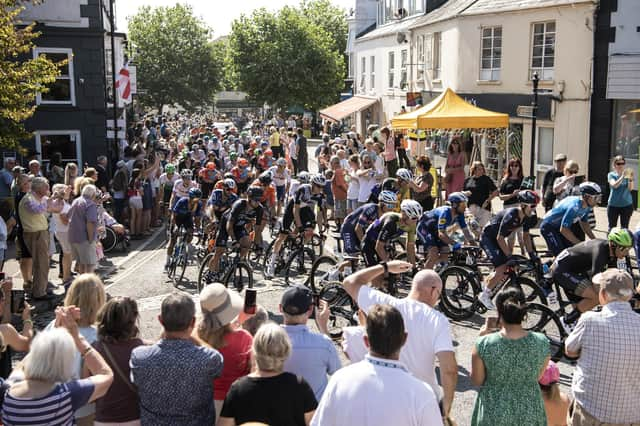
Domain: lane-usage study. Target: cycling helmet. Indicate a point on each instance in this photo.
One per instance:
(170, 168)
(264, 143)
(590, 188)
(404, 174)
(318, 180)
(186, 174)
(620, 237)
(229, 183)
(390, 184)
(411, 208)
(233, 156)
(255, 192)
(457, 197)
(388, 197)
(242, 162)
(195, 193)
(265, 178)
(253, 144)
(304, 177)
(257, 151)
(211, 165)
(529, 197)
(268, 152)
(281, 162)
(229, 175)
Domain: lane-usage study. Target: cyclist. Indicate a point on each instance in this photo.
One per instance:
(405, 178)
(495, 235)
(182, 186)
(556, 225)
(167, 180)
(357, 222)
(298, 212)
(388, 228)
(301, 179)
(265, 161)
(242, 174)
(388, 184)
(268, 202)
(574, 268)
(282, 179)
(234, 224)
(221, 199)
(185, 210)
(433, 229)
(208, 177)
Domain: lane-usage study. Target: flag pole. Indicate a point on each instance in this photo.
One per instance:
(113, 89)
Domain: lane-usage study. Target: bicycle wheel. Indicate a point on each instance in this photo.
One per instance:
(109, 241)
(239, 277)
(343, 311)
(323, 271)
(460, 290)
(543, 320)
(317, 242)
(298, 267)
(532, 291)
(280, 260)
(400, 284)
(202, 272)
(182, 262)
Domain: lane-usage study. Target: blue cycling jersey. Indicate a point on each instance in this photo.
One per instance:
(442, 218)
(181, 207)
(216, 199)
(567, 212)
(363, 215)
(506, 222)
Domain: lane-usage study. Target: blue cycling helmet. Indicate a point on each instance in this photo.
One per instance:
(195, 193)
(457, 198)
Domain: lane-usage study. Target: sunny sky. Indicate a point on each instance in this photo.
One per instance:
(217, 13)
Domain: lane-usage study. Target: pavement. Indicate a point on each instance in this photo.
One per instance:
(139, 274)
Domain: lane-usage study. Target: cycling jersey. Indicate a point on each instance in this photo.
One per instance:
(217, 200)
(269, 197)
(208, 176)
(434, 221)
(567, 212)
(505, 222)
(167, 184)
(386, 228)
(305, 199)
(181, 190)
(293, 188)
(240, 213)
(363, 216)
(403, 194)
(240, 174)
(184, 214)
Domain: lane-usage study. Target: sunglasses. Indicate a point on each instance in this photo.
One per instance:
(390, 206)
(620, 164)
(515, 165)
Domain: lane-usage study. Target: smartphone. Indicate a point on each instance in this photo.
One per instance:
(316, 300)
(250, 301)
(17, 301)
(491, 322)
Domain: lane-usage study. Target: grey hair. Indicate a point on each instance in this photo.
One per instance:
(51, 356)
(34, 162)
(39, 182)
(271, 347)
(177, 312)
(102, 158)
(89, 191)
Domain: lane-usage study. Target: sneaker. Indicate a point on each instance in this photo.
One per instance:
(485, 299)
(568, 327)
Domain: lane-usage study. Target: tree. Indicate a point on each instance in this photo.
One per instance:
(176, 62)
(330, 18)
(20, 78)
(285, 59)
(223, 55)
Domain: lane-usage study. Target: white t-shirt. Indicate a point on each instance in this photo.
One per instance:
(353, 343)
(60, 226)
(376, 392)
(367, 182)
(428, 331)
(353, 190)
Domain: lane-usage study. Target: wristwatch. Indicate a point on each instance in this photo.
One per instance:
(386, 269)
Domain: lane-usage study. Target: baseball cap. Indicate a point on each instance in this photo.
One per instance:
(296, 300)
(222, 303)
(615, 282)
(560, 157)
(551, 375)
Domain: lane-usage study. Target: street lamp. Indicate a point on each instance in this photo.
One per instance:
(534, 112)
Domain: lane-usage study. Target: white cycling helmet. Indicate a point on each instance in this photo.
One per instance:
(411, 208)
(319, 180)
(304, 177)
(404, 174)
(388, 197)
(229, 183)
(590, 188)
(186, 173)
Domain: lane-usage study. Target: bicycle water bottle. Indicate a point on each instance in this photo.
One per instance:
(456, 246)
(546, 271)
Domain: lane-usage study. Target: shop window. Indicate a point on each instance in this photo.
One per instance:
(62, 91)
(626, 129)
(66, 142)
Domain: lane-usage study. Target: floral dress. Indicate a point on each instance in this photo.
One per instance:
(510, 394)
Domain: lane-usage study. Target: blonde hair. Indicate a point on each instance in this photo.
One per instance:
(58, 190)
(474, 166)
(210, 333)
(69, 168)
(51, 356)
(87, 293)
(572, 165)
(271, 347)
(80, 183)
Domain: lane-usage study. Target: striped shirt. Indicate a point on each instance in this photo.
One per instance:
(55, 408)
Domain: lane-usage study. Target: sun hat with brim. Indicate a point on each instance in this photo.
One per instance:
(222, 303)
(615, 282)
(560, 157)
(551, 375)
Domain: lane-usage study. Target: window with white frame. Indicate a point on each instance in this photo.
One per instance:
(437, 55)
(428, 52)
(61, 91)
(66, 142)
(420, 56)
(543, 50)
(352, 64)
(545, 146)
(491, 53)
(394, 10)
(372, 74)
(403, 69)
(392, 69)
(363, 73)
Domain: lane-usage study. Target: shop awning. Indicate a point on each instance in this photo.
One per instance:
(347, 107)
(450, 111)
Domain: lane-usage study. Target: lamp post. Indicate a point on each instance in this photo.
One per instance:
(534, 112)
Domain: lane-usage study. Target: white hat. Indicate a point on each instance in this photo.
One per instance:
(224, 304)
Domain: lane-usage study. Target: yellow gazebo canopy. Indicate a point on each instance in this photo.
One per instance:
(450, 111)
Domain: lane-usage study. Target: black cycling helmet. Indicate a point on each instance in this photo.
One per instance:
(255, 193)
(265, 178)
(195, 193)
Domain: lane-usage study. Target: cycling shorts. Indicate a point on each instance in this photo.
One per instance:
(493, 251)
(185, 220)
(223, 236)
(427, 233)
(242, 187)
(369, 253)
(556, 242)
(307, 217)
(281, 193)
(574, 284)
(350, 241)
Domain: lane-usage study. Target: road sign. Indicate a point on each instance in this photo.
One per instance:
(525, 111)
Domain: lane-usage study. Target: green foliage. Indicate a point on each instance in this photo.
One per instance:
(330, 18)
(223, 56)
(176, 62)
(20, 78)
(286, 58)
